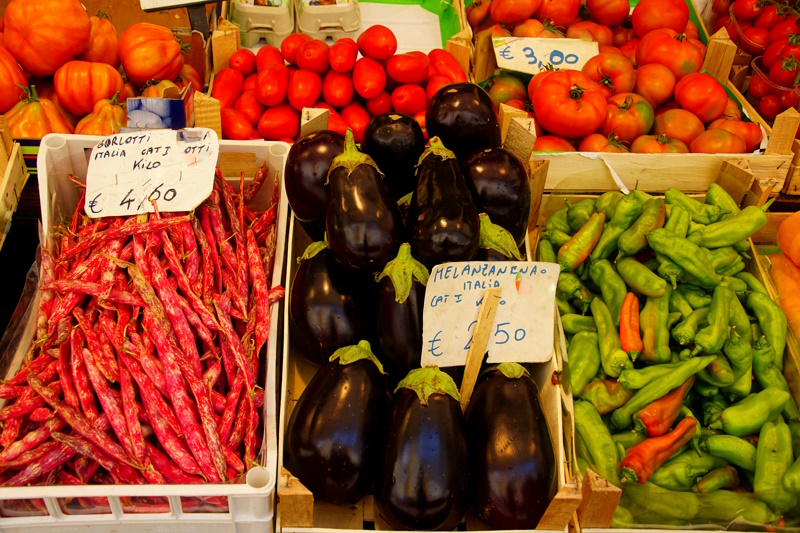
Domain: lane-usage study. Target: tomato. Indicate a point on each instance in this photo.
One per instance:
(666, 106)
(596, 142)
(409, 99)
(628, 116)
(291, 45)
(235, 125)
(691, 30)
(732, 111)
(477, 12)
(272, 85)
(34, 117)
(537, 80)
(754, 40)
(516, 103)
(357, 119)
(10, 76)
(44, 34)
(613, 73)
(666, 47)
(770, 17)
(655, 83)
(411, 67)
(720, 22)
(155, 89)
(747, 9)
(679, 124)
(783, 29)
(377, 42)
(379, 105)
(769, 107)
(759, 87)
(622, 34)
(436, 83)
(658, 144)
(420, 118)
(721, 7)
(560, 12)
(702, 95)
(80, 85)
(149, 52)
(717, 141)
(552, 143)
(279, 122)
(750, 132)
(103, 42)
(189, 75)
(649, 15)
(335, 121)
(249, 106)
(266, 56)
(569, 104)
(534, 28)
(369, 78)
(506, 87)
(785, 72)
(587, 30)
(228, 86)
(304, 89)
(512, 11)
(313, 56)
(629, 50)
(337, 89)
(788, 98)
(342, 55)
(773, 53)
(608, 49)
(243, 61)
(128, 91)
(444, 64)
(250, 82)
(608, 12)
(107, 117)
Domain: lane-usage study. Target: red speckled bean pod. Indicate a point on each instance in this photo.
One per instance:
(131, 419)
(128, 228)
(240, 424)
(207, 261)
(168, 469)
(191, 258)
(11, 391)
(32, 439)
(41, 414)
(260, 291)
(230, 337)
(254, 186)
(65, 376)
(10, 431)
(26, 404)
(250, 443)
(270, 239)
(229, 414)
(31, 455)
(151, 365)
(79, 377)
(145, 290)
(258, 398)
(205, 225)
(229, 281)
(46, 302)
(104, 353)
(35, 366)
(65, 478)
(265, 220)
(233, 460)
(107, 277)
(119, 471)
(140, 257)
(211, 375)
(219, 401)
(228, 361)
(95, 289)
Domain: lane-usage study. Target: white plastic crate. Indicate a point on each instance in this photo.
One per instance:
(272, 23)
(250, 505)
(322, 20)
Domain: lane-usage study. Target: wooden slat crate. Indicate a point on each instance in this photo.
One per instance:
(14, 176)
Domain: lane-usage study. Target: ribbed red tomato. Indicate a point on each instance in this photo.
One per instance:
(569, 104)
(608, 12)
(149, 52)
(718, 141)
(597, 142)
(552, 143)
(279, 122)
(337, 89)
(80, 85)
(658, 144)
(613, 73)
(587, 30)
(103, 42)
(668, 48)
(750, 132)
(560, 12)
(10, 76)
(679, 124)
(655, 82)
(512, 11)
(628, 116)
(703, 95)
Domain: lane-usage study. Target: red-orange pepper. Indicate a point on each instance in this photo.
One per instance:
(656, 418)
(629, 334)
(644, 458)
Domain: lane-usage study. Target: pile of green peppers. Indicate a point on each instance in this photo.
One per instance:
(703, 318)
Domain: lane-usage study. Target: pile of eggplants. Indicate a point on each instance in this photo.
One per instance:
(371, 419)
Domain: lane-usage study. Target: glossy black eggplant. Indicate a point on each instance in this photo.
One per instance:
(334, 439)
(511, 460)
(305, 176)
(463, 116)
(329, 306)
(401, 295)
(496, 243)
(442, 219)
(423, 482)
(500, 187)
(395, 142)
(362, 220)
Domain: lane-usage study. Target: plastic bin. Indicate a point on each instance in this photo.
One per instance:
(328, 18)
(271, 22)
(214, 508)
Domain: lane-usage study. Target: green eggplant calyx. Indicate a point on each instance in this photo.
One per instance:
(512, 370)
(356, 352)
(496, 237)
(427, 381)
(438, 149)
(351, 158)
(628, 475)
(313, 249)
(402, 270)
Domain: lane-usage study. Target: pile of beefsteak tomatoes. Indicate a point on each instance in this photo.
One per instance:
(262, 95)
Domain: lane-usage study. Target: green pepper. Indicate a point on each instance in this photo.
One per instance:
(575, 252)
(570, 287)
(794, 428)
(627, 211)
(683, 253)
(651, 264)
(706, 390)
(573, 324)
(558, 221)
(735, 228)
(611, 287)
(669, 271)
(622, 417)
(720, 478)
(545, 252)
(678, 221)
(733, 269)
(719, 373)
(725, 506)
(752, 283)
(564, 307)
(768, 375)
(653, 323)
(718, 196)
(738, 320)
(584, 358)
(748, 415)
(700, 212)
(581, 449)
(608, 202)
(597, 438)
(612, 357)
(695, 296)
(711, 338)
(695, 230)
(679, 505)
(678, 303)
(722, 257)
(606, 395)
(682, 471)
(672, 319)
(643, 196)
(579, 214)
(633, 240)
(791, 479)
(733, 449)
(740, 355)
(628, 438)
(622, 518)
(713, 407)
(686, 412)
(772, 320)
(738, 286)
(557, 237)
(637, 378)
(639, 278)
(773, 459)
(684, 333)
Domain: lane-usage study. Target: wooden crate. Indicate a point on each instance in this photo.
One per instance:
(14, 176)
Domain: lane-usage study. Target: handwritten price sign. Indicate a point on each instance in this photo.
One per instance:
(531, 54)
(128, 171)
(523, 328)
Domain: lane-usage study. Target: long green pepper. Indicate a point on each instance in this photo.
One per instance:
(773, 323)
(747, 416)
(558, 221)
(612, 357)
(638, 378)
(584, 359)
(611, 286)
(683, 253)
(579, 214)
(773, 459)
(700, 212)
(607, 203)
(633, 240)
(685, 332)
(733, 449)
(575, 252)
(655, 331)
(626, 212)
(640, 278)
(711, 338)
(597, 438)
(768, 375)
(735, 228)
(695, 296)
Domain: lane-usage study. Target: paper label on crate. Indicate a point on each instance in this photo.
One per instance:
(129, 170)
(523, 326)
(532, 54)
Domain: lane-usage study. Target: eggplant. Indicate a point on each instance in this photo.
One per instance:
(463, 116)
(423, 482)
(496, 242)
(401, 296)
(511, 461)
(500, 187)
(306, 174)
(329, 306)
(362, 220)
(442, 219)
(334, 439)
(395, 142)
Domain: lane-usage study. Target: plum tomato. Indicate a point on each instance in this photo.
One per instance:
(244, 61)
(313, 56)
(377, 42)
(279, 122)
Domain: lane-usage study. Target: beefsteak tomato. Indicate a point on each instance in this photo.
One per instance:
(560, 12)
(718, 141)
(649, 15)
(613, 73)
(552, 143)
(107, 118)
(11, 78)
(569, 104)
(678, 124)
(156, 89)
(80, 85)
(750, 132)
(597, 142)
(505, 87)
(658, 144)
(703, 95)
(628, 116)
(512, 11)
(34, 117)
(103, 42)
(587, 30)
(534, 28)
(608, 12)
(149, 52)
(666, 47)
(654, 82)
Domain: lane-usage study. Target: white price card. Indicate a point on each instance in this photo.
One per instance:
(523, 326)
(532, 54)
(127, 171)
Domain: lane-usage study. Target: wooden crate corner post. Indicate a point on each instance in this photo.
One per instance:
(224, 42)
(720, 55)
(484, 62)
(296, 502)
(460, 47)
(563, 506)
(600, 500)
(783, 131)
(207, 112)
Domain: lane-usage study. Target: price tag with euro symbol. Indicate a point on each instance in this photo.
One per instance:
(532, 54)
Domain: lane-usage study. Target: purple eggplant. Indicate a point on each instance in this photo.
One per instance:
(500, 187)
(423, 483)
(329, 306)
(463, 116)
(442, 219)
(362, 220)
(334, 439)
(306, 174)
(401, 295)
(496, 243)
(511, 461)
(395, 142)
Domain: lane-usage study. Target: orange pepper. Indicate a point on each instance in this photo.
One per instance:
(786, 276)
(107, 118)
(644, 458)
(35, 117)
(629, 334)
(656, 418)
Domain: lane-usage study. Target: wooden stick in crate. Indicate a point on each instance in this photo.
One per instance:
(480, 339)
